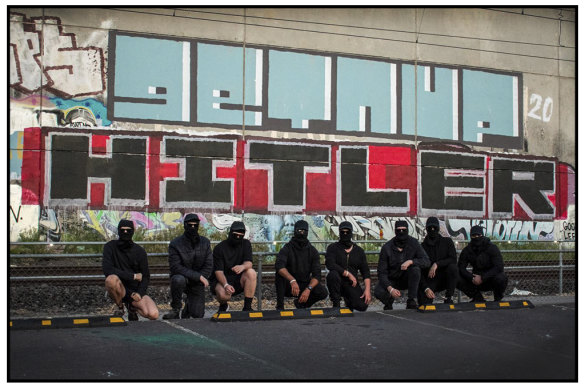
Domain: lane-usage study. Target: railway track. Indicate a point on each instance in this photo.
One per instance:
(159, 274)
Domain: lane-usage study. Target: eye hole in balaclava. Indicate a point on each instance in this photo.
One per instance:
(236, 233)
(191, 225)
(401, 233)
(346, 234)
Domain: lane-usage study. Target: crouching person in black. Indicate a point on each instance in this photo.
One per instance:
(232, 269)
(443, 272)
(191, 262)
(125, 266)
(344, 260)
(401, 262)
(487, 268)
(298, 271)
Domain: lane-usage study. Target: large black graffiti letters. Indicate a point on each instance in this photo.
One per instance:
(72, 166)
(355, 191)
(524, 181)
(197, 183)
(452, 184)
(288, 164)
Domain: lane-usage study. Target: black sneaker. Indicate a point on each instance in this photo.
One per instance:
(297, 304)
(247, 309)
(174, 314)
(411, 304)
(132, 315)
(223, 307)
(185, 313)
(279, 307)
(478, 298)
(448, 300)
(388, 307)
(336, 304)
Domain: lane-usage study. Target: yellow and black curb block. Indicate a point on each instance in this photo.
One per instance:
(487, 305)
(279, 315)
(67, 322)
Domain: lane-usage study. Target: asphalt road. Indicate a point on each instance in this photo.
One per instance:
(520, 344)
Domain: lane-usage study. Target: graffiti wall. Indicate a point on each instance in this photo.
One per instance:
(106, 124)
(196, 83)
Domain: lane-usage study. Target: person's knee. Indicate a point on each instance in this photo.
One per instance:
(112, 281)
(178, 280)
(153, 313)
(250, 275)
(333, 276)
(414, 270)
(452, 270)
(379, 292)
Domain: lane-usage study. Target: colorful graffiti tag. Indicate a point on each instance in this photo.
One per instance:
(141, 171)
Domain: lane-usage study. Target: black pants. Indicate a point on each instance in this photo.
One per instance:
(195, 292)
(284, 289)
(497, 284)
(409, 279)
(339, 286)
(445, 279)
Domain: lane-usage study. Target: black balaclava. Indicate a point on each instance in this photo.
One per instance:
(401, 238)
(300, 238)
(192, 232)
(235, 239)
(477, 242)
(346, 234)
(433, 230)
(125, 235)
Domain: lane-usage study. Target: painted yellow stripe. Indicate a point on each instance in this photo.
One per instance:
(345, 310)
(525, 303)
(10, 324)
(256, 314)
(116, 320)
(215, 316)
(80, 321)
(430, 308)
(504, 304)
(451, 306)
(46, 322)
(286, 313)
(317, 312)
(225, 316)
(481, 305)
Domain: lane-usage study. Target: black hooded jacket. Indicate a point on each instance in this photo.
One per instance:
(486, 261)
(391, 259)
(336, 258)
(303, 263)
(442, 252)
(124, 261)
(189, 259)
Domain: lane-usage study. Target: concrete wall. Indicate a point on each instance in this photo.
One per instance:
(467, 114)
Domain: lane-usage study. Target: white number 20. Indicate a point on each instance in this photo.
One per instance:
(548, 106)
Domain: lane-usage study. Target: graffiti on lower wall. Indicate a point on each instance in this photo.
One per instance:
(98, 169)
(197, 83)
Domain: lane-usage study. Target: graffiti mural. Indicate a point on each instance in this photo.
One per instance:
(195, 83)
(66, 70)
(119, 169)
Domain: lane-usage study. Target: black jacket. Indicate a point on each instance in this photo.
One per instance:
(487, 261)
(336, 258)
(391, 259)
(124, 263)
(190, 260)
(302, 263)
(443, 253)
(225, 256)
